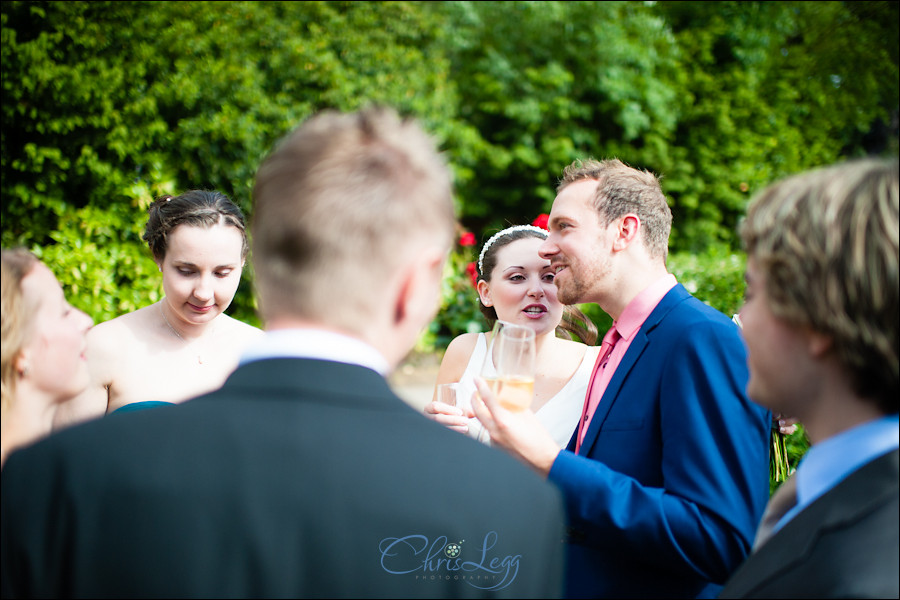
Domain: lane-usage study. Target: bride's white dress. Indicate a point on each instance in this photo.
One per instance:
(559, 415)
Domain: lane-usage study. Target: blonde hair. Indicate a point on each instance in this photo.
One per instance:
(337, 204)
(16, 315)
(622, 190)
(826, 242)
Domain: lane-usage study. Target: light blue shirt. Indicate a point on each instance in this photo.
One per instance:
(318, 344)
(827, 463)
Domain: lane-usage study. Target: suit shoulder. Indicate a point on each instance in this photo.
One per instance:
(692, 308)
(694, 322)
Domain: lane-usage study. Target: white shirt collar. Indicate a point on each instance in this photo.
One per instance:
(315, 343)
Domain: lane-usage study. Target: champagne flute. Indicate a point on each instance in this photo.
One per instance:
(447, 393)
(508, 367)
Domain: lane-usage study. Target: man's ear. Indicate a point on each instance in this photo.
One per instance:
(21, 362)
(628, 228)
(819, 344)
(484, 292)
(419, 290)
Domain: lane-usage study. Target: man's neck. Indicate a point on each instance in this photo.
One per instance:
(628, 285)
(835, 407)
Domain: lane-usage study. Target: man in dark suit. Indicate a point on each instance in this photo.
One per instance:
(821, 322)
(666, 475)
(304, 475)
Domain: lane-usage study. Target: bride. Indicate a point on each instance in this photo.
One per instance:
(516, 285)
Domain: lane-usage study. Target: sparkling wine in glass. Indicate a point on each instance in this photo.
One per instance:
(508, 367)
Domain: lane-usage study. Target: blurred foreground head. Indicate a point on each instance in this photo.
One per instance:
(352, 219)
(826, 243)
(43, 345)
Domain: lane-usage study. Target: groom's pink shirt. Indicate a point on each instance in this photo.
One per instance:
(629, 323)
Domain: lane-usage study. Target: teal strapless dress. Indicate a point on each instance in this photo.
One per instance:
(135, 406)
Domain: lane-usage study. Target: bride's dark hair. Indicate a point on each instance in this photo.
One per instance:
(573, 320)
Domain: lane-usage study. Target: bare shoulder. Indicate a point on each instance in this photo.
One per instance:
(111, 347)
(573, 352)
(572, 346)
(111, 337)
(453, 365)
(581, 348)
(238, 331)
(461, 347)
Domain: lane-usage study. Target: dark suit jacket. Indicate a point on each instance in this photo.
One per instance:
(843, 545)
(672, 477)
(299, 478)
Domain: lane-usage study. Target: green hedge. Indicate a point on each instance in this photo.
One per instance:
(106, 105)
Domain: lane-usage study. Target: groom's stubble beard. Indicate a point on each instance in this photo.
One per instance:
(580, 281)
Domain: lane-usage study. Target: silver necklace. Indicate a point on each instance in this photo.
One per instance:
(175, 331)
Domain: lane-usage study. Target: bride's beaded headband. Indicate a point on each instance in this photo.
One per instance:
(500, 234)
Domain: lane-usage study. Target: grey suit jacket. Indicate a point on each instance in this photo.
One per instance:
(843, 545)
(299, 478)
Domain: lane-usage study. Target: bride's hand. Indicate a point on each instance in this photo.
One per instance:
(449, 416)
(786, 425)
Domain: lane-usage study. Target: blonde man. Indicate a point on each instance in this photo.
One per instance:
(822, 323)
(305, 475)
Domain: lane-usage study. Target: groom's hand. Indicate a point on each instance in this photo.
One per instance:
(520, 433)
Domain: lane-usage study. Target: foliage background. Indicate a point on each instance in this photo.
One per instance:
(106, 105)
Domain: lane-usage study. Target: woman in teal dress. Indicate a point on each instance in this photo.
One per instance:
(183, 345)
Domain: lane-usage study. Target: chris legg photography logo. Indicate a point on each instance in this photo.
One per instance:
(443, 559)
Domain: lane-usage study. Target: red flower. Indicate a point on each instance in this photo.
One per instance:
(472, 272)
(541, 221)
(467, 239)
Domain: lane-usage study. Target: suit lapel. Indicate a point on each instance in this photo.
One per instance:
(859, 494)
(639, 344)
(611, 394)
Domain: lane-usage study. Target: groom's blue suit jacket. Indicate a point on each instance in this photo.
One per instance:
(670, 483)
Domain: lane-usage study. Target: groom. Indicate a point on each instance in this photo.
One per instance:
(666, 475)
(305, 475)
